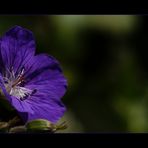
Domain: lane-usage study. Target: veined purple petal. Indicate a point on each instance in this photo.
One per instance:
(46, 76)
(17, 46)
(45, 108)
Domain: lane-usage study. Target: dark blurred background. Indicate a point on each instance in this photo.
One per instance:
(104, 58)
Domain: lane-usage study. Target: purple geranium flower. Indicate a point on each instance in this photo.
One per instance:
(33, 84)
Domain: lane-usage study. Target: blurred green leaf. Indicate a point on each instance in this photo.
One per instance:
(18, 129)
(4, 126)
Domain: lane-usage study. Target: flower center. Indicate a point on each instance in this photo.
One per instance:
(13, 84)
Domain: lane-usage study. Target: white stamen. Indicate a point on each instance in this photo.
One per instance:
(20, 92)
(12, 82)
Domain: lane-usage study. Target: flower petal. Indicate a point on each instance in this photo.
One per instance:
(17, 46)
(45, 108)
(45, 75)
